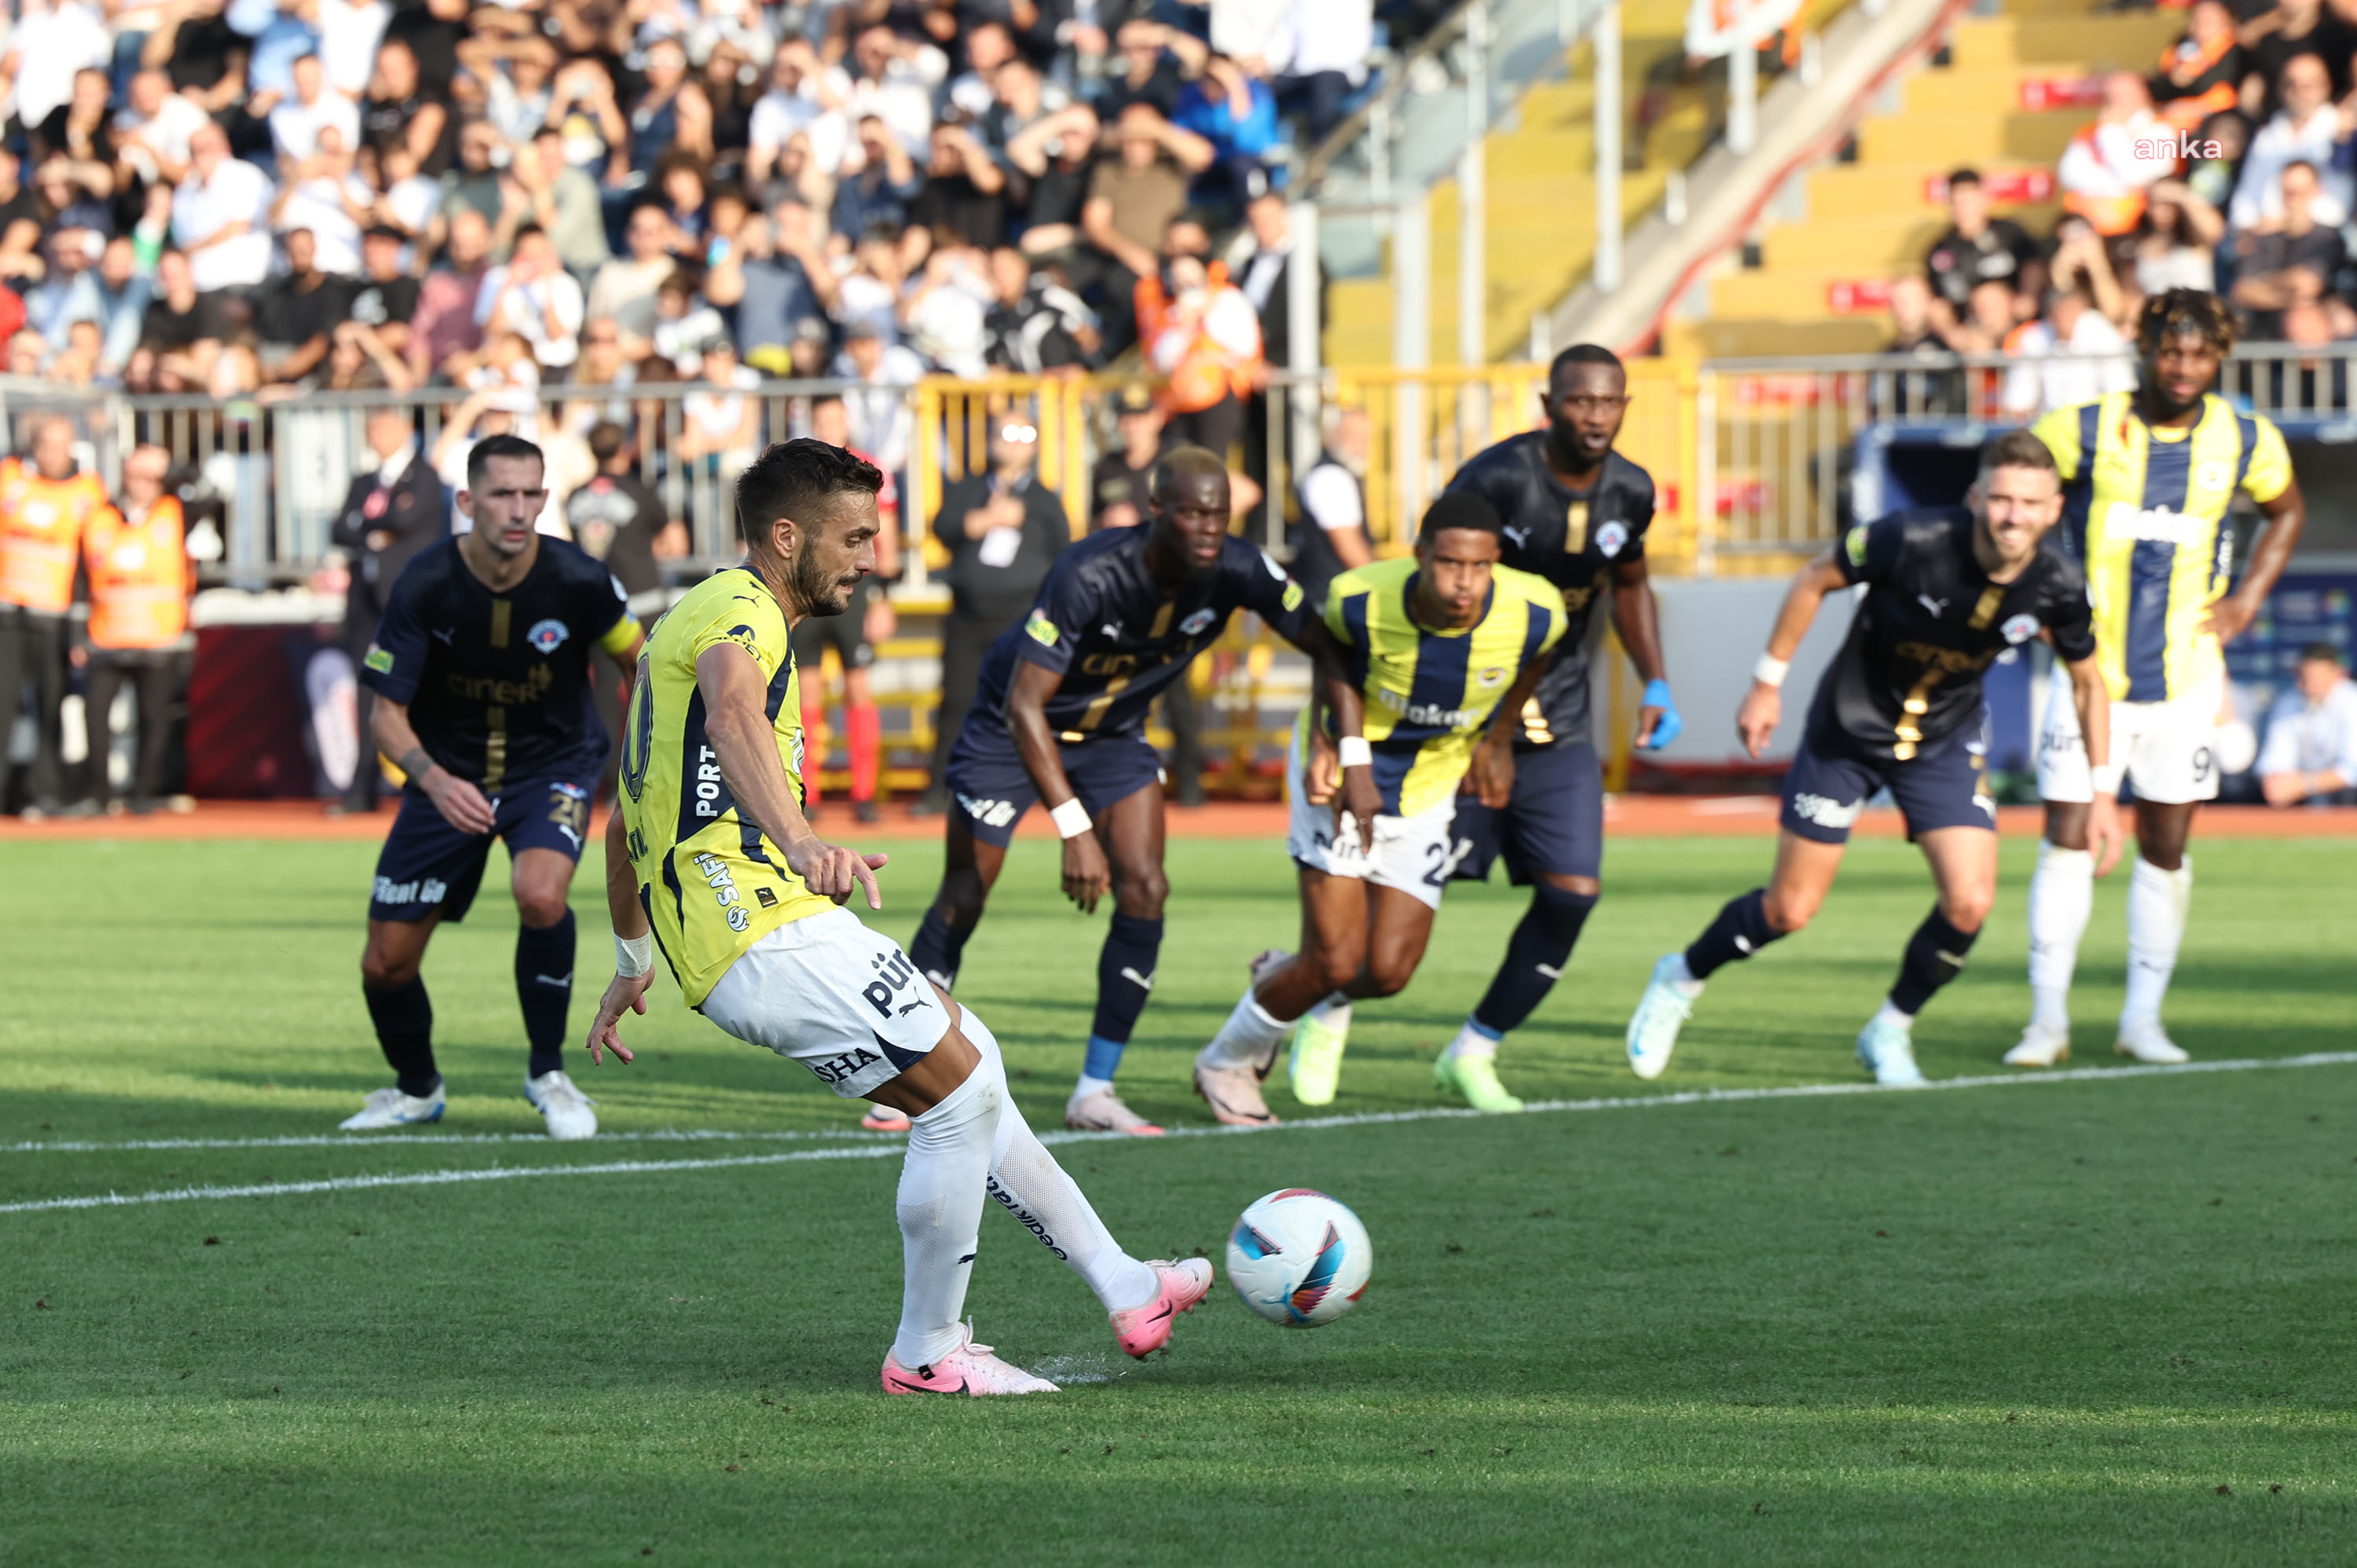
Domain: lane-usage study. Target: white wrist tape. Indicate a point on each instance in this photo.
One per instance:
(1771, 671)
(1072, 819)
(633, 956)
(1355, 752)
(2106, 779)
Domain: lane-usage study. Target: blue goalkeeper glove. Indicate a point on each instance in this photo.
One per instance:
(1657, 695)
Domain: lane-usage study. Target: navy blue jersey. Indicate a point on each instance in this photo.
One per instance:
(1931, 623)
(1118, 638)
(498, 684)
(1573, 538)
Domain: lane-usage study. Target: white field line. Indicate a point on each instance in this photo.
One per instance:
(423, 1140)
(884, 1149)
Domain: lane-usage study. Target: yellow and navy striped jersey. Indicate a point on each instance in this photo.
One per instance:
(1430, 692)
(711, 882)
(2145, 510)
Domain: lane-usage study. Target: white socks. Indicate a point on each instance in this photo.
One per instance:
(1088, 1086)
(1334, 1012)
(1248, 1038)
(1026, 1181)
(1682, 979)
(1471, 1041)
(2156, 905)
(2062, 892)
(1889, 1013)
(940, 1207)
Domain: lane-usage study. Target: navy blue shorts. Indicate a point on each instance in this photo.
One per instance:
(1553, 825)
(1946, 785)
(428, 867)
(991, 790)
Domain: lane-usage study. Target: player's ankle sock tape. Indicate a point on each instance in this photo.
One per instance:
(403, 1018)
(1124, 980)
(940, 1209)
(1740, 931)
(863, 736)
(939, 948)
(1935, 955)
(1535, 955)
(543, 977)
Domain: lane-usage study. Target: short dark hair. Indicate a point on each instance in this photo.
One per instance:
(1460, 509)
(2184, 313)
(1585, 354)
(606, 440)
(478, 461)
(2020, 450)
(1963, 177)
(1185, 462)
(2320, 653)
(797, 478)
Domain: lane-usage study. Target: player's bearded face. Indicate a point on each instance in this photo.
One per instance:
(1584, 413)
(2015, 507)
(2180, 371)
(830, 559)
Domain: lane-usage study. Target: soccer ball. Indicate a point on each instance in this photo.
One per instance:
(1298, 1258)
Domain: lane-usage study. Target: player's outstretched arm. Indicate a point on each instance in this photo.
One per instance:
(737, 723)
(1087, 875)
(634, 956)
(2286, 515)
(460, 804)
(1763, 705)
(2092, 698)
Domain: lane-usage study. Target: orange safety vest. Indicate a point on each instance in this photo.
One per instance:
(139, 577)
(2187, 113)
(1209, 369)
(41, 523)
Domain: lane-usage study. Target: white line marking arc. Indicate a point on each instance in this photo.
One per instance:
(885, 1148)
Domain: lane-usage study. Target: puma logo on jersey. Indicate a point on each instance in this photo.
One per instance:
(1937, 606)
(443, 637)
(1521, 536)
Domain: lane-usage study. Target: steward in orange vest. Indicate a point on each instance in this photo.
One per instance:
(44, 506)
(137, 558)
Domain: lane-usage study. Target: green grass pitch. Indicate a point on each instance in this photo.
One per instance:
(2082, 1322)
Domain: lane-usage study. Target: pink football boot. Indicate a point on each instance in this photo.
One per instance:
(1144, 1329)
(970, 1368)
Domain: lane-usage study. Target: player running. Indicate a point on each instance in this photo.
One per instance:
(1432, 649)
(1949, 590)
(1059, 717)
(1576, 512)
(481, 671)
(2148, 477)
(710, 857)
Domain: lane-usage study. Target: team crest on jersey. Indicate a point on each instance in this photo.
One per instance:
(379, 660)
(2212, 476)
(1040, 629)
(1856, 545)
(1611, 536)
(1291, 597)
(1195, 623)
(1492, 676)
(545, 635)
(2021, 627)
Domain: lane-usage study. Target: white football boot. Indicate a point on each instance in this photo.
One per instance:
(563, 1106)
(1660, 1013)
(387, 1108)
(2144, 1040)
(1887, 1051)
(2041, 1046)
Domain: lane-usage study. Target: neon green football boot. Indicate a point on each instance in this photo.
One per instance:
(1314, 1063)
(1476, 1079)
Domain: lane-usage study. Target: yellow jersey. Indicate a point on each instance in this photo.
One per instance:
(711, 882)
(2145, 510)
(1430, 691)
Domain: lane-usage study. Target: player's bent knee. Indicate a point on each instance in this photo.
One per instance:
(386, 972)
(1790, 915)
(539, 909)
(1969, 910)
(1389, 978)
(1141, 892)
(1334, 968)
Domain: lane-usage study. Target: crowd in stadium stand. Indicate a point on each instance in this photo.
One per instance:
(2231, 166)
(236, 196)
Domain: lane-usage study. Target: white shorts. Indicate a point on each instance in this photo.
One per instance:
(2170, 747)
(1416, 854)
(842, 1000)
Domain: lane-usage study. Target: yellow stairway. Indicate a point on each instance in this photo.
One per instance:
(1874, 219)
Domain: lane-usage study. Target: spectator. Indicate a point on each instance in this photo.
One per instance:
(46, 503)
(384, 300)
(78, 130)
(2307, 129)
(220, 217)
(870, 293)
(403, 199)
(475, 186)
(1132, 197)
(1198, 331)
(398, 113)
(295, 314)
(673, 114)
(806, 99)
(444, 326)
(964, 190)
(1120, 481)
(515, 74)
(603, 363)
(135, 559)
(854, 636)
(2178, 247)
(2106, 169)
(390, 512)
(540, 187)
(1331, 537)
(2061, 356)
(2272, 39)
(2292, 261)
(536, 298)
(1155, 62)
(22, 220)
(893, 80)
(181, 333)
(115, 296)
(722, 429)
(53, 39)
(878, 408)
(2224, 139)
(596, 136)
(947, 311)
(879, 192)
(284, 36)
(1937, 390)
(295, 122)
(322, 194)
(349, 31)
(775, 277)
(1322, 58)
(79, 208)
(153, 128)
(1237, 115)
(972, 92)
(46, 301)
(360, 360)
(1054, 155)
(625, 288)
(203, 57)
(620, 519)
(2201, 73)
(2310, 754)
(683, 323)
(1003, 529)
(1035, 324)
(1978, 249)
